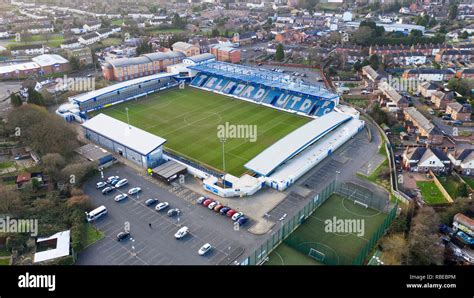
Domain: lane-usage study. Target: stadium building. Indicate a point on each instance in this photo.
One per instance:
(278, 166)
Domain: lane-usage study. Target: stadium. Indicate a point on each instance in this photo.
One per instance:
(174, 116)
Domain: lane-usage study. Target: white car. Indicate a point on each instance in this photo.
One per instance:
(100, 184)
(181, 232)
(134, 190)
(237, 216)
(204, 249)
(161, 206)
(120, 197)
(213, 204)
(121, 183)
(112, 178)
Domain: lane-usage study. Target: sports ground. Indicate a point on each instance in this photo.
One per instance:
(188, 119)
(329, 248)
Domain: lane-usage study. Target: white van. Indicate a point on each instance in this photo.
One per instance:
(96, 213)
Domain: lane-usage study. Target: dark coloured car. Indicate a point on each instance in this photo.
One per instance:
(122, 236)
(224, 210)
(242, 220)
(114, 182)
(107, 190)
(174, 212)
(151, 202)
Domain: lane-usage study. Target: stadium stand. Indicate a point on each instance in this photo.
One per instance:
(263, 86)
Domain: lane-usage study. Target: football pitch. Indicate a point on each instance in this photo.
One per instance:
(335, 248)
(189, 120)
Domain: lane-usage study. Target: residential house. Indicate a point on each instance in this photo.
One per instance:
(408, 58)
(450, 55)
(461, 112)
(244, 38)
(440, 99)
(429, 74)
(186, 48)
(71, 44)
(41, 29)
(27, 50)
(427, 88)
(89, 39)
(423, 127)
(466, 73)
(463, 161)
(83, 55)
(391, 98)
(290, 36)
(92, 26)
(372, 77)
(423, 159)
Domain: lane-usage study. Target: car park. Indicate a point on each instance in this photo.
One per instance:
(224, 210)
(122, 236)
(181, 232)
(134, 190)
(107, 190)
(151, 201)
(205, 249)
(111, 178)
(121, 183)
(212, 205)
(218, 207)
(242, 220)
(200, 200)
(174, 212)
(230, 213)
(162, 206)
(120, 197)
(237, 216)
(100, 184)
(207, 202)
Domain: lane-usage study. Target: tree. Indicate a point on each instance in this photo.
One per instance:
(394, 248)
(280, 53)
(215, 32)
(42, 131)
(363, 35)
(77, 173)
(15, 100)
(423, 240)
(464, 35)
(416, 33)
(379, 115)
(34, 97)
(374, 61)
(52, 164)
(453, 11)
(75, 64)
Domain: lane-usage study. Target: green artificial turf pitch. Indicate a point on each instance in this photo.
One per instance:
(188, 119)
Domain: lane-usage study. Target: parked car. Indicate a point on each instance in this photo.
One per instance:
(122, 236)
(237, 216)
(100, 184)
(204, 249)
(181, 232)
(207, 202)
(121, 183)
(112, 178)
(174, 212)
(162, 206)
(120, 197)
(242, 220)
(224, 210)
(115, 181)
(200, 200)
(212, 205)
(446, 117)
(150, 202)
(107, 190)
(457, 123)
(230, 213)
(218, 207)
(134, 190)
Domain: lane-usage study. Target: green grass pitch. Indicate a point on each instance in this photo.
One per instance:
(342, 247)
(188, 119)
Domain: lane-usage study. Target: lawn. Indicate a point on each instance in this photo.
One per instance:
(376, 174)
(469, 181)
(357, 102)
(7, 164)
(188, 119)
(4, 261)
(93, 235)
(452, 185)
(54, 41)
(160, 30)
(4, 253)
(336, 248)
(116, 22)
(430, 192)
(111, 41)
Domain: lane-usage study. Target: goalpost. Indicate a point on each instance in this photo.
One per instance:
(360, 203)
(316, 254)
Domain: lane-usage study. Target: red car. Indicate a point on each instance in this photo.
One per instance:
(230, 212)
(218, 207)
(207, 202)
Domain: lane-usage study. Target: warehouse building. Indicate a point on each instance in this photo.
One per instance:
(134, 144)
